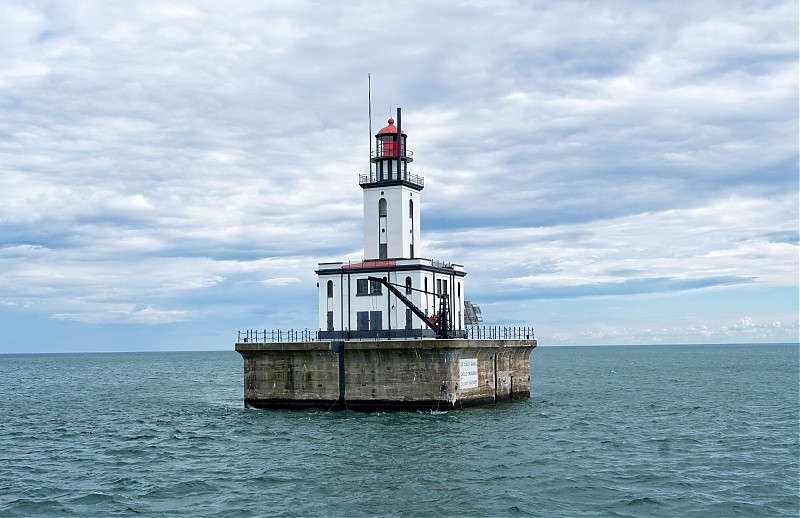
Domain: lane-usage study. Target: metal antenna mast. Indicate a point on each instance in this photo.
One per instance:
(369, 97)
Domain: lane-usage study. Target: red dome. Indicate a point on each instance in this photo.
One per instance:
(390, 129)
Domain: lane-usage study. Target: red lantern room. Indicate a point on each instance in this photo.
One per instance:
(391, 156)
(386, 142)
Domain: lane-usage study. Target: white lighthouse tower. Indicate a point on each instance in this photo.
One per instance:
(387, 294)
(391, 198)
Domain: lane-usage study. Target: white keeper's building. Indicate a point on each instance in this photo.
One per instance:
(350, 305)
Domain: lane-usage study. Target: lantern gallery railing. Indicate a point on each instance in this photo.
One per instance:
(390, 149)
(307, 335)
(374, 177)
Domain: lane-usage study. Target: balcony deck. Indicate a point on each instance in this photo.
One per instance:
(373, 179)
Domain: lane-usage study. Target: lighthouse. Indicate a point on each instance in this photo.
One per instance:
(360, 300)
(394, 332)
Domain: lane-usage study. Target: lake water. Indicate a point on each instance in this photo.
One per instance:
(609, 431)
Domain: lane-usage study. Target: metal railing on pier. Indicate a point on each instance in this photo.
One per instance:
(499, 333)
(307, 335)
(276, 336)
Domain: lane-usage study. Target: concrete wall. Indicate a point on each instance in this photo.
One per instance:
(290, 374)
(384, 375)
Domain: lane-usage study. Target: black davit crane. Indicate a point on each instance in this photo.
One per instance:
(440, 324)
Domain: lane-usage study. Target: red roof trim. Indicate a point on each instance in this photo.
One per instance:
(372, 264)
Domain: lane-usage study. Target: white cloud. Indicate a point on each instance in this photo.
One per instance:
(730, 241)
(744, 324)
(125, 314)
(158, 157)
(280, 281)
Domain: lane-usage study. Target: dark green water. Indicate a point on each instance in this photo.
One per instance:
(609, 431)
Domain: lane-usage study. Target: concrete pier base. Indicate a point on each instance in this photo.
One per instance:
(428, 374)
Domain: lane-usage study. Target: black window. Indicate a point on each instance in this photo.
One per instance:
(382, 250)
(330, 289)
(362, 320)
(408, 285)
(368, 287)
(375, 321)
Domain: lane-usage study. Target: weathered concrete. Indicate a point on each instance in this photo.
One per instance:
(385, 374)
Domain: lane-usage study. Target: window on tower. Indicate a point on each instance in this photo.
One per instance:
(330, 289)
(408, 285)
(383, 252)
(387, 145)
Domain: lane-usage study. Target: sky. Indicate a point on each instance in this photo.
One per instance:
(608, 172)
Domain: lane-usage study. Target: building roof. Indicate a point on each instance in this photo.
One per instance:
(397, 265)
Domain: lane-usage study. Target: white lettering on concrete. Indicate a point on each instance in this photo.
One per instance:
(468, 373)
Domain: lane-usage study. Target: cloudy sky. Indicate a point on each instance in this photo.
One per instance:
(609, 172)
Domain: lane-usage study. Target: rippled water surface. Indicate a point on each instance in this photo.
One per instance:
(608, 431)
